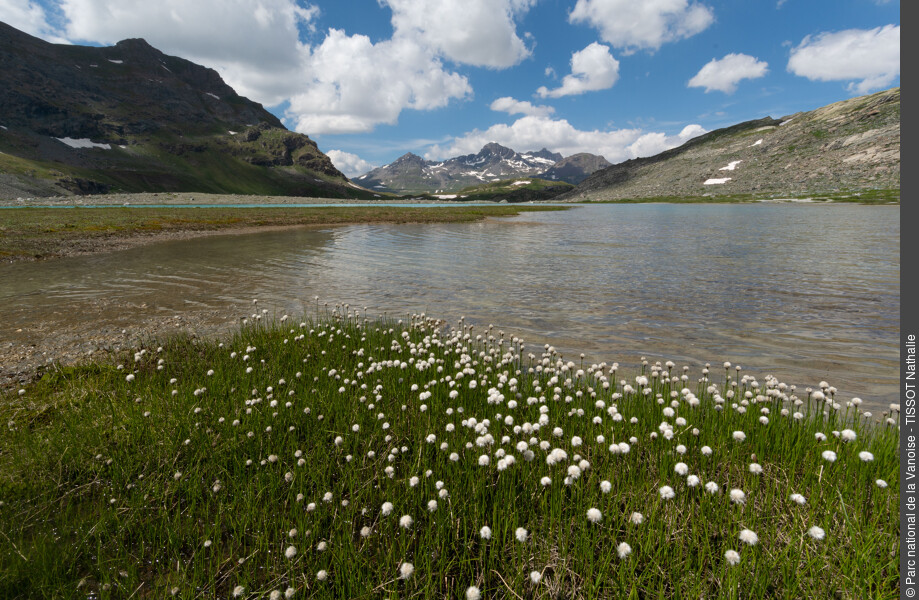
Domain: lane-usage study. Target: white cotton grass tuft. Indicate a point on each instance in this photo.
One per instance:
(738, 496)
(828, 455)
(473, 593)
(605, 486)
(798, 499)
(666, 492)
(739, 436)
(866, 456)
(290, 552)
(748, 537)
(681, 469)
(636, 518)
(405, 570)
(880, 483)
(732, 557)
(405, 521)
(594, 515)
(322, 575)
(485, 532)
(387, 508)
(623, 550)
(756, 468)
(535, 577)
(521, 534)
(238, 591)
(816, 533)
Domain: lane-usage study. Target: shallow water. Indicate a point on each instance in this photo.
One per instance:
(803, 292)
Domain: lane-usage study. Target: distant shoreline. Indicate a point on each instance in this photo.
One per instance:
(28, 234)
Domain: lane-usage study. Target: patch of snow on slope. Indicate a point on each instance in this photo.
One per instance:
(756, 143)
(83, 143)
(522, 182)
(117, 62)
(215, 96)
(731, 165)
(716, 181)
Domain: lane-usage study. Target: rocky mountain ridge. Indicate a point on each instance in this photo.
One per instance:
(411, 174)
(842, 148)
(79, 119)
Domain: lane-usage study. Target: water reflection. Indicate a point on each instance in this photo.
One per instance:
(800, 291)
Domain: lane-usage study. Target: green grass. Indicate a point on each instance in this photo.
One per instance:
(48, 232)
(182, 469)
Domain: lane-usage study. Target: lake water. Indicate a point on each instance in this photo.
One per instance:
(803, 292)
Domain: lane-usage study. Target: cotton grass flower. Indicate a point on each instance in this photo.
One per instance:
(636, 518)
(238, 591)
(816, 533)
(322, 575)
(880, 483)
(798, 499)
(535, 577)
(739, 436)
(738, 496)
(485, 532)
(405, 570)
(521, 534)
(748, 537)
(605, 486)
(828, 455)
(866, 456)
(681, 469)
(290, 552)
(405, 521)
(732, 557)
(472, 592)
(847, 435)
(594, 515)
(386, 509)
(666, 492)
(623, 550)
(756, 468)
(712, 488)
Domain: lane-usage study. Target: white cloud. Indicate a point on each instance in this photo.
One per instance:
(351, 165)
(474, 32)
(592, 68)
(349, 84)
(645, 24)
(868, 58)
(531, 132)
(724, 74)
(520, 107)
(29, 17)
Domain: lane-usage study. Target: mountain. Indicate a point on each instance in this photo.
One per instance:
(575, 168)
(844, 148)
(411, 174)
(77, 119)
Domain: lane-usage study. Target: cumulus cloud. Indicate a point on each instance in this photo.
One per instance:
(350, 164)
(350, 84)
(643, 25)
(724, 74)
(513, 106)
(868, 58)
(256, 46)
(529, 132)
(29, 17)
(592, 68)
(474, 32)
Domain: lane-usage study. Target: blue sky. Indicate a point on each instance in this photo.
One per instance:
(370, 80)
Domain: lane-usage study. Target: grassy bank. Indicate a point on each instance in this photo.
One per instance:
(341, 457)
(49, 232)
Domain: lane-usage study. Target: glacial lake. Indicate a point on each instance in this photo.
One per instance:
(804, 292)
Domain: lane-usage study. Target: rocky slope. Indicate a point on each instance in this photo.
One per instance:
(411, 174)
(845, 147)
(77, 119)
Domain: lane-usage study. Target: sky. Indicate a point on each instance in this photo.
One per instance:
(370, 80)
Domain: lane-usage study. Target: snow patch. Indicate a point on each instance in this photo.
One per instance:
(756, 143)
(83, 143)
(2, 127)
(522, 182)
(116, 62)
(214, 96)
(731, 165)
(445, 196)
(232, 132)
(716, 181)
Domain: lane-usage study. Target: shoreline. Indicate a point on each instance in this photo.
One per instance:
(31, 234)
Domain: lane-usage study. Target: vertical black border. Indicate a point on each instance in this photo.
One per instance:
(909, 328)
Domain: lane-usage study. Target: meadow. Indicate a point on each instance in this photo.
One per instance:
(344, 455)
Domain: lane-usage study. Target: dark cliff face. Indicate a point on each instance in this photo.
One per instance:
(170, 124)
(127, 89)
